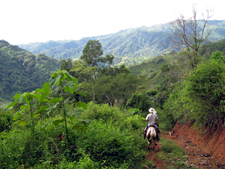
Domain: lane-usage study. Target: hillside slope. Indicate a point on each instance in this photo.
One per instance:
(21, 71)
(129, 46)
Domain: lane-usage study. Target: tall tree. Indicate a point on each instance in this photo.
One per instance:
(92, 61)
(190, 34)
(66, 65)
(92, 54)
(86, 73)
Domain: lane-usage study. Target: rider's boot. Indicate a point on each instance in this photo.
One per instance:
(144, 134)
(157, 137)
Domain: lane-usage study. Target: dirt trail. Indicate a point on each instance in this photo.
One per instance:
(203, 150)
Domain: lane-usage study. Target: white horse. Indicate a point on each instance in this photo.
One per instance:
(151, 137)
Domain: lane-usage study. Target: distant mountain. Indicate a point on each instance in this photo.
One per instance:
(128, 46)
(150, 69)
(22, 71)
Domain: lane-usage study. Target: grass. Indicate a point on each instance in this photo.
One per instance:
(174, 156)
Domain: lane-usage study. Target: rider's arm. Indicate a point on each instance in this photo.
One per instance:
(146, 119)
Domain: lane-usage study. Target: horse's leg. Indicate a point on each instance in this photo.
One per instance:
(149, 144)
(153, 144)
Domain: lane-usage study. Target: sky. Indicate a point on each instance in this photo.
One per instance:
(28, 21)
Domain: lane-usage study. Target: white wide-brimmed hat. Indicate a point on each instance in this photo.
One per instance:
(151, 110)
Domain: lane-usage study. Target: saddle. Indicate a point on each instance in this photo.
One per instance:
(155, 126)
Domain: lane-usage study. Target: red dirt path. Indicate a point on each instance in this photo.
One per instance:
(205, 150)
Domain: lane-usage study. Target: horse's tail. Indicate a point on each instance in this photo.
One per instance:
(151, 133)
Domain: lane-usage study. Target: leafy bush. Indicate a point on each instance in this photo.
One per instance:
(101, 112)
(140, 101)
(107, 143)
(5, 120)
(112, 140)
(201, 96)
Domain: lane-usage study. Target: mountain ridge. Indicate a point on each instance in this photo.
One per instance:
(134, 44)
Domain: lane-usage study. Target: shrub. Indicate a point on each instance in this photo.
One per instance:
(5, 120)
(200, 97)
(107, 143)
(140, 101)
(101, 112)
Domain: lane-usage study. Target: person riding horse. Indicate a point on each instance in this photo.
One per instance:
(152, 119)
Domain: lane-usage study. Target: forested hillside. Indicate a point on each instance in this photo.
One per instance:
(93, 117)
(22, 71)
(128, 46)
(91, 113)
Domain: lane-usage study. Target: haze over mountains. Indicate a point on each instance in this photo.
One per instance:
(128, 46)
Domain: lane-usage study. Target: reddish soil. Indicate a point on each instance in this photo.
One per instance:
(159, 163)
(205, 149)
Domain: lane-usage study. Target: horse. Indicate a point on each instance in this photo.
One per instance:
(151, 137)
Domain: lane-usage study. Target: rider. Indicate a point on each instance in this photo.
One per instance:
(152, 119)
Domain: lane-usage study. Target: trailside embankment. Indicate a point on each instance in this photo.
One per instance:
(212, 142)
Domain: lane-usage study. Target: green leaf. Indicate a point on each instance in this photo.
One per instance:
(24, 107)
(63, 84)
(74, 80)
(56, 99)
(36, 114)
(21, 98)
(70, 84)
(17, 114)
(66, 73)
(85, 120)
(38, 96)
(52, 81)
(55, 80)
(56, 122)
(45, 124)
(46, 88)
(76, 113)
(39, 90)
(81, 104)
(22, 123)
(49, 109)
(42, 108)
(82, 94)
(11, 105)
(71, 90)
(43, 99)
(63, 77)
(58, 79)
(79, 127)
(17, 96)
(53, 74)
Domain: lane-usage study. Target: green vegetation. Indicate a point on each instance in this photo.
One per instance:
(90, 113)
(181, 93)
(200, 97)
(173, 155)
(111, 139)
(22, 71)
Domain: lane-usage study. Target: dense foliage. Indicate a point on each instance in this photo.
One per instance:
(200, 97)
(91, 116)
(21, 71)
(112, 139)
